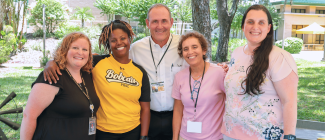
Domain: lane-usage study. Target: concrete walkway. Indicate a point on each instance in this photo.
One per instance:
(308, 134)
(310, 55)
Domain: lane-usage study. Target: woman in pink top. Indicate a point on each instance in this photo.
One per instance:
(261, 85)
(198, 92)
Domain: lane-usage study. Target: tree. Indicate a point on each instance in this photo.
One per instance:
(184, 13)
(125, 8)
(201, 21)
(225, 18)
(55, 13)
(83, 14)
(142, 7)
(107, 7)
(2, 14)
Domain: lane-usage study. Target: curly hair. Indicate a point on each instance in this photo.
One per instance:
(203, 42)
(60, 56)
(256, 72)
(107, 30)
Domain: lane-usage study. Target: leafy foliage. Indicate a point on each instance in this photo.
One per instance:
(142, 7)
(65, 29)
(84, 14)
(125, 8)
(7, 44)
(291, 44)
(139, 36)
(184, 13)
(107, 7)
(55, 13)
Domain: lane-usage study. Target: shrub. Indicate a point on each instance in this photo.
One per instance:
(55, 13)
(92, 32)
(95, 47)
(291, 44)
(45, 58)
(65, 29)
(139, 36)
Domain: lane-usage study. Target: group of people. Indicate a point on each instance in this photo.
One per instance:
(162, 88)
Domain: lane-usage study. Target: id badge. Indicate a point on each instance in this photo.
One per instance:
(157, 87)
(194, 127)
(92, 126)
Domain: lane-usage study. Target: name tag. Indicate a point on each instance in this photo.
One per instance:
(194, 127)
(157, 87)
(92, 126)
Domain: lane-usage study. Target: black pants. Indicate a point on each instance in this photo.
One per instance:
(161, 125)
(131, 135)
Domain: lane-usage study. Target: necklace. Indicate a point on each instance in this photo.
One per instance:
(196, 76)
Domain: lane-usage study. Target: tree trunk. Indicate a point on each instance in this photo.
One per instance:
(22, 25)
(82, 23)
(182, 27)
(2, 14)
(201, 21)
(225, 18)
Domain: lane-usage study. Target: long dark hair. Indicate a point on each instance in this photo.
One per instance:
(107, 30)
(256, 72)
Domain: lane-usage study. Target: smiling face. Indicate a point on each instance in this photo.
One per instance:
(159, 24)
(78, 54)
(256, 27)
(192, 51)
(119, 42)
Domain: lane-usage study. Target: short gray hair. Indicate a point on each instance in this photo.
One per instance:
(158, 5)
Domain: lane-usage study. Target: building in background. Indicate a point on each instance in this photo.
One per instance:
(298, 15)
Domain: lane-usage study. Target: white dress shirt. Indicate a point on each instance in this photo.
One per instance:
(170, 64)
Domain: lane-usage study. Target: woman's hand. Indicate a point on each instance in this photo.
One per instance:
(50, 72)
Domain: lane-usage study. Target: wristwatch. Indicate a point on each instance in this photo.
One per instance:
(144, 138)
(290, 137)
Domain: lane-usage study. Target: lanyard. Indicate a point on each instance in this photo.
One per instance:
(161, 57)
(198, 91)
(91, 106)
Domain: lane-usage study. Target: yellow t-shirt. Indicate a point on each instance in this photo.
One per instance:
(120, 89)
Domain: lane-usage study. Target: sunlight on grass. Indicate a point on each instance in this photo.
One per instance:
(19, 82)
(311, 90)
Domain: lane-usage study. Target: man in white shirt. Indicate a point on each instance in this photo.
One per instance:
(158, 55)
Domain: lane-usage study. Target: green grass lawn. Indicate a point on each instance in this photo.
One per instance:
(311, 92)
(20, 83)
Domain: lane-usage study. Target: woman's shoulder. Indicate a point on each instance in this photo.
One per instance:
(279, 52)
(215, 67)
(276, 51)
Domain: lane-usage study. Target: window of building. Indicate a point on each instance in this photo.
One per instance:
(320, 11)
(320, 38)
(295, 28)
(298, 10)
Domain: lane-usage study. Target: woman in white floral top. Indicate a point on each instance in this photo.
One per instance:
(261, 85)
